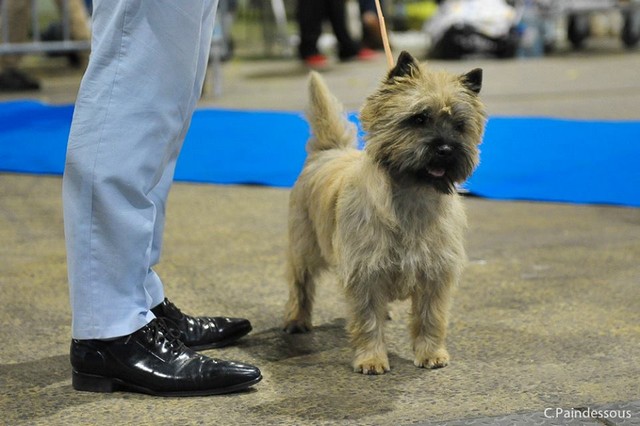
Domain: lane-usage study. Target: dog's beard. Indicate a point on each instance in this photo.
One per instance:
(423, 167)
(438, 177)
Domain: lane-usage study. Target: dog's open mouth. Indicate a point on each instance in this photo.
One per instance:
(436, 172)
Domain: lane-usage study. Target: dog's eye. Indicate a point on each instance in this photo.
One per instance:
(421, 118)
(460, 126)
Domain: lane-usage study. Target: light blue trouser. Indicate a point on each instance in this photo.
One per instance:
(134, 107)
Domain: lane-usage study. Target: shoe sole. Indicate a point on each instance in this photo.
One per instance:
(92, 383)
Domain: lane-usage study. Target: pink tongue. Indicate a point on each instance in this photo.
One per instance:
(436, 172)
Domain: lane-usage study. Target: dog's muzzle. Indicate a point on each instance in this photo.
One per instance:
(442, 157)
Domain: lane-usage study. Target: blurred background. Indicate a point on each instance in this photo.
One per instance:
(547, 314)
(46, 30)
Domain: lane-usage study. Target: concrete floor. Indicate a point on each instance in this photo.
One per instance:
(547, 315)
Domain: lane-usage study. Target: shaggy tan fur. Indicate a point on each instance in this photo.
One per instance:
(386, 219)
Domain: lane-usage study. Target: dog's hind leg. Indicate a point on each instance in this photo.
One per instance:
(304, 262)
(302, 288)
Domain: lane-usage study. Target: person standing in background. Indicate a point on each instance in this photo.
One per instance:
(371, 35)
(311, 15)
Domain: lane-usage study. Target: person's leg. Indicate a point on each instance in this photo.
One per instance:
(371, 36)
(134, 104)
(347, 47)
(18, 24)
(310, 15)
(367, 6)
(78, 19)
(160, 192)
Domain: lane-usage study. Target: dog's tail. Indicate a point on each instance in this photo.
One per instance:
(329, 124)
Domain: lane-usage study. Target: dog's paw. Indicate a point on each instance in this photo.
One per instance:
(371, 365)
(296, 327)
(435, 359)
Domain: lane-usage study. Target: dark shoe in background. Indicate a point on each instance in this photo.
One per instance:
(200, 333)
(154, 361)
(14, 80)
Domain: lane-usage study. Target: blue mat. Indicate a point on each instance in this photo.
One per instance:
(522, 158)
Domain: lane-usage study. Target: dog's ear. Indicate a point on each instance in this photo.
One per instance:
(406, 66)
(473, 80)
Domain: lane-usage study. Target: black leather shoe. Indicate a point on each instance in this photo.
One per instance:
(201, 333)
(154, 361)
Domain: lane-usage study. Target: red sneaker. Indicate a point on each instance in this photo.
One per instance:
(316, 62)
(366, 54)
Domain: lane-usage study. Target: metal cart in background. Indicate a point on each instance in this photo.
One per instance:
(36, 44)
(577, 13)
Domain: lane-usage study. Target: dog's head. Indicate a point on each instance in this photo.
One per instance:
(424, 127)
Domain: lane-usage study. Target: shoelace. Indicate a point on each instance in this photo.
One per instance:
(160, 331)
(175, 312)
(171, 307)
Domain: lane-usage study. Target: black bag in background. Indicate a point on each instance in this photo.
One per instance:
(464, 40)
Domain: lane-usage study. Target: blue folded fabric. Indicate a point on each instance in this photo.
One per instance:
(547, 159)
(539, 159)
(33, 137)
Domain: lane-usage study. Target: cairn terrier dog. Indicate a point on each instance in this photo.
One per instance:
(387, 219)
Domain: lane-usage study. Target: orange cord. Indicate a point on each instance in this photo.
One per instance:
(385, 38)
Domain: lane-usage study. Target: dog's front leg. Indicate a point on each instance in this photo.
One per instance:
(430, 312)
(366, 325)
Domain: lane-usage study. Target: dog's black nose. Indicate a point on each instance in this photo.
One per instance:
(444, 150)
